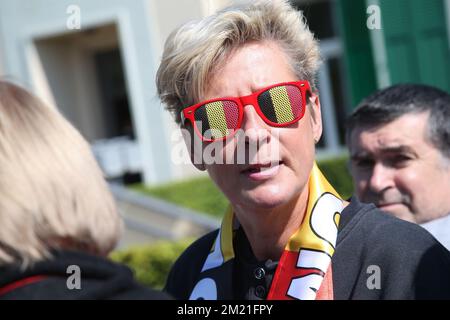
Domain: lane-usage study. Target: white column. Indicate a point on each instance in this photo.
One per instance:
(379, 51)
(328, 110)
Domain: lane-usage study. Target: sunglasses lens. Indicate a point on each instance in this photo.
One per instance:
(281, 104)
(218, 119)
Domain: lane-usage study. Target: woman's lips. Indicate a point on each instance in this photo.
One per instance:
(260, 172)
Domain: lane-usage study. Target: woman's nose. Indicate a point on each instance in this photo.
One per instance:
(255, 129)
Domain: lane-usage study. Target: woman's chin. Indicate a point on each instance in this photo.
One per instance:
(265, 198)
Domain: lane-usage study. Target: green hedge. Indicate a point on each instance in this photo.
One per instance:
(336, 171)
(151, 263)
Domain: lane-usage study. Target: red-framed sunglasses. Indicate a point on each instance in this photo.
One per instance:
(279, 105)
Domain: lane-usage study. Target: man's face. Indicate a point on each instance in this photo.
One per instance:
(396, 167)
(252, 67)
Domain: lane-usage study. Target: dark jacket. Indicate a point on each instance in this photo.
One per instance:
(53, 278)
(411, 263)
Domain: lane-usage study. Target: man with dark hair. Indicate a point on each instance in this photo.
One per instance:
(399, 141)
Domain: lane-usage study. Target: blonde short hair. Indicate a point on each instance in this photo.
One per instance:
(194, 50)
(52, 192)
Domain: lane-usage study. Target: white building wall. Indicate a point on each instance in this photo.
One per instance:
(142, 26)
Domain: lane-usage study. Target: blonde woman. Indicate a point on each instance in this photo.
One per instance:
(58, 220)
(246, 76)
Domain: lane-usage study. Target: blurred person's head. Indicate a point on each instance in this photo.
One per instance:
(399, 141)
(52, 193)
(237, 52)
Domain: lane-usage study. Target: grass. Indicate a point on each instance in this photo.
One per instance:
(200, 194)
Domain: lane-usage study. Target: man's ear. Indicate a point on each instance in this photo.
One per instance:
(316, 116)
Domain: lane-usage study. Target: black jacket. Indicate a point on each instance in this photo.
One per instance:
(412, 264)
(49, 279)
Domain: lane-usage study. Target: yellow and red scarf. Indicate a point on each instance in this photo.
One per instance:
(304, 270)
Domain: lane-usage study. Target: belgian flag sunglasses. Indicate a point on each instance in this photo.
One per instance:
(279, 105)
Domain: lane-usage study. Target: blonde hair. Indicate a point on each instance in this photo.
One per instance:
(194, 50)
(52, 192)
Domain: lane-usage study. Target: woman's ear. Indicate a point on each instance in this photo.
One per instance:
(316, 116)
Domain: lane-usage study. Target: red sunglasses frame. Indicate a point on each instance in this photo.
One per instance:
(252, 99)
